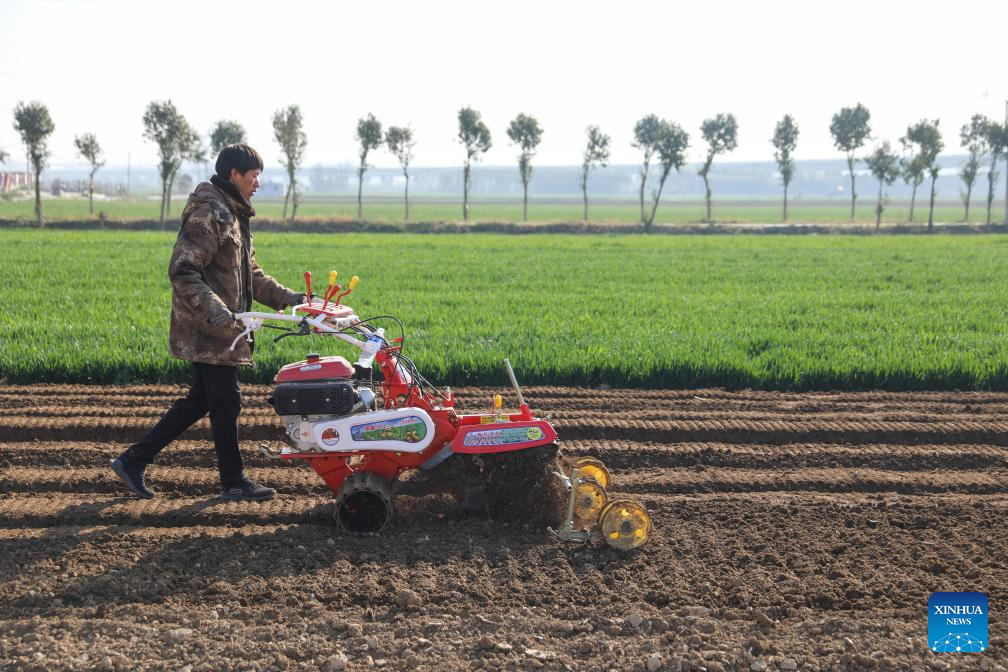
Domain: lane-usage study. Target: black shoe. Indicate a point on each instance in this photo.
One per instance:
(247, 491)
(133, 476)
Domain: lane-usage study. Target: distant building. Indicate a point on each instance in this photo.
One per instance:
(13, 181)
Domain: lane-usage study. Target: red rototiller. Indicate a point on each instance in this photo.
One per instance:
(362, 442)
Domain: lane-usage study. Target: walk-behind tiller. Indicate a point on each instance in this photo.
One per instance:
(362, 445)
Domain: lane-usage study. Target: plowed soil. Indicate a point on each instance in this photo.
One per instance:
(792, 531)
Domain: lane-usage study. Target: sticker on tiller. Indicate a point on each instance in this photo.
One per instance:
(491, 420)
(410, 429)
(503, 436)
(330, 436)
(310, 367)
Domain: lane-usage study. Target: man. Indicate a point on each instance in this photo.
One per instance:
(214, 274)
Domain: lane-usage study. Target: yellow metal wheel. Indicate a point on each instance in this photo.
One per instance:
(589, 467)
(589, 500)
(625, 524)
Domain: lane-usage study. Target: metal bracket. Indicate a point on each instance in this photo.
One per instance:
(265, 450)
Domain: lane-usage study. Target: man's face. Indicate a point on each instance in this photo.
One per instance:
(247, 183)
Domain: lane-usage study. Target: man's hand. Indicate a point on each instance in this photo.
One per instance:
(222, 317)
(295, 299)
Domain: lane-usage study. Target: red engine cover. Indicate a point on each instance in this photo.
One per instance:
(315, 368)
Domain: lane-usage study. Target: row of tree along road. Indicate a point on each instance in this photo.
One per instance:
(661, 141)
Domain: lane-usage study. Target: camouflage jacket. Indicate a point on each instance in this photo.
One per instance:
(214, 265)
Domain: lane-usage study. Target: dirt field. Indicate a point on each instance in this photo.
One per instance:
(793, 531)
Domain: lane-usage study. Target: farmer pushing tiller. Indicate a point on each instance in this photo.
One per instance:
(366, 435)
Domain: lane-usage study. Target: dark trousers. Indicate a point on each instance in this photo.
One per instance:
(215, 391)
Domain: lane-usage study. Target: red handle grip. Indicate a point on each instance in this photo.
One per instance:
(307, 279)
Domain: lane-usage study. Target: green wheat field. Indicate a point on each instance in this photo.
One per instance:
(808, 312)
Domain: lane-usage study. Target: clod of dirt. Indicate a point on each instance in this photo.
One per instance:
(758, 665)
(635, 620)
(178, 635)
(788, 665)
(538, 655)
(337, 663)
(654, 662)
(407, 599)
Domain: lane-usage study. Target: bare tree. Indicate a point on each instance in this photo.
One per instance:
(721, 134)
(647, 133)
(225, 133)
(33, 122)
(973, 137)
(88, 147)
(176, 141)
(289, 134)
(475, 137)
(671, 142)
(369, 135)
(399, 140)
(884, 164)
(996, 142)
(850, 128)
(526, 133)
(785, 139)
(596, 154)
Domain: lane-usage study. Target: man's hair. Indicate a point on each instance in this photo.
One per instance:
(237, 157)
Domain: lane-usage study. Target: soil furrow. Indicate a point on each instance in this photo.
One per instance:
(165, 480)
(20, 428)
(646, 481)
(190, 481)
(59, 509)
(618, 454)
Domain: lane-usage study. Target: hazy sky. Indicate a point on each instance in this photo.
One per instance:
(97, 64)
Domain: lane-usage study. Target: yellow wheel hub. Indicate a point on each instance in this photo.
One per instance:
(625, 524)
(590, 468)
(589, 500)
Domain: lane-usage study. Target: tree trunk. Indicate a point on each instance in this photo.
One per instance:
(360, 190)
(657, 199)
(878, 208)
(969, 193)
(707, 197)
(931, 207)
(290, 184)
(990, 192)
(465, 192)
(785, 202)
(294, 201)
(406, 195)
(584, 192)
(91, 194)
(38, 196)
(164, 190)
(643, 184)
(853, 193)
(171, 185)
(913, 198)
(525, 199)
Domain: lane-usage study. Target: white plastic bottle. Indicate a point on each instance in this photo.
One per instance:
(370, 349)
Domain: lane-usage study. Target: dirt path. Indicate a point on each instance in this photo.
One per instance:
(804, 528)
